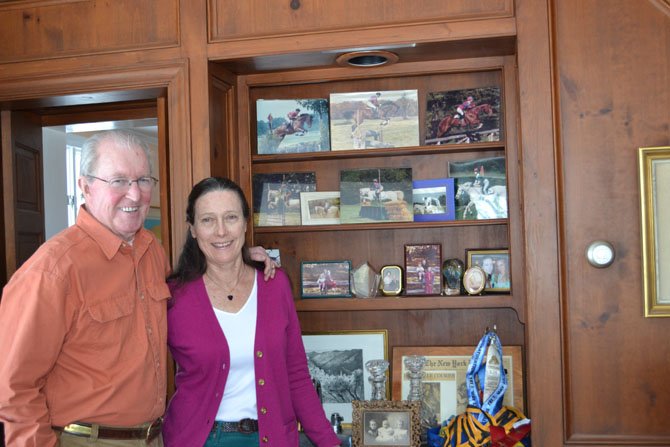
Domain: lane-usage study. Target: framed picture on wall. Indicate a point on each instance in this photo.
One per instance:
(495, 263)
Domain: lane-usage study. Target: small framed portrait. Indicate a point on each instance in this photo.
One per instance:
(496, 267)
(274, 254)
(325, 279)
(474, 280)
(423, 269)
(320, 208)
(391, 282)
(383, 422)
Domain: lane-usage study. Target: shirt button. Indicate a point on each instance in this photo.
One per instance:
(265, 439)
(223, 366)
(261, 382)
(264, 410)
(259, 354)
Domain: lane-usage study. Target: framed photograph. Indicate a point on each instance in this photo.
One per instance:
(376, 195)
(320, 208)
(274, 254)
(337, 361)
(474, 280)
(391, 423)
(495, 264)
(325, 279)
(481, 189)
(377, 119)
(444, 389)
(285, 126)
(654, 166)
(433, 200)
(276, 197)
(463, 116)
(423, 264)
(391, 282)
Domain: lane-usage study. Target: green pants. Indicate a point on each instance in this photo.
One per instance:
(218, 438)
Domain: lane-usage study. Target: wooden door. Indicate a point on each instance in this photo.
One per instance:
(22, 187)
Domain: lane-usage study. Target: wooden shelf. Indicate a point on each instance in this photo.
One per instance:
(383, 152)
(378, 226)
(405, 303)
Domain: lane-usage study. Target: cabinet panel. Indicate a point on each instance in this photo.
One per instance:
(262, 18)
(46, 29)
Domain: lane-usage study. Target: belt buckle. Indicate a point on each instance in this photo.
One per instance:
(246, 426)
(154, 425)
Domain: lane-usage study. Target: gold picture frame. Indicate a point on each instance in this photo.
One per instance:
(654, 168)
(444, 386)
(384, 422)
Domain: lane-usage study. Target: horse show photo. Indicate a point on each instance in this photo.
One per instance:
(481, 188)
(276, 197)
(376, 119)
(285, 126)
(463, 116)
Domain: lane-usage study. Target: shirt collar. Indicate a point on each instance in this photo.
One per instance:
(109, 242)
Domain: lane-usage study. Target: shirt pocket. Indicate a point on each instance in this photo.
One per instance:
(112, 308)
(159, 292)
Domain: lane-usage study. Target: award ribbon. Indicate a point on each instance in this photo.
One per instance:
(486, 381)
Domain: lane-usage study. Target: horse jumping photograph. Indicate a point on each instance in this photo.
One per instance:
(463, 116)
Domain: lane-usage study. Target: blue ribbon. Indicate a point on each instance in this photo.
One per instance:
(477, 371)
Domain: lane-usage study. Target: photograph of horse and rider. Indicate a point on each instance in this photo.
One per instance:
(463, 116)
(377, 119)
(276, 197)
(376, 195)
(285, 126)
(481, 189)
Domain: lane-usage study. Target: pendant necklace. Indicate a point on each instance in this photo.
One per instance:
(230, 295)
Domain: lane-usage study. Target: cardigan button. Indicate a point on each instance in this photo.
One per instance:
(259, 354)
(261, 382)
(265, 439)
(264, 410)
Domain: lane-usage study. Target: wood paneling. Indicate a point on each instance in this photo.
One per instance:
(612, 79)
(39, 29)
(278, 17)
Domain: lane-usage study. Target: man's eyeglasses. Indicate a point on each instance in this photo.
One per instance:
(122, 184)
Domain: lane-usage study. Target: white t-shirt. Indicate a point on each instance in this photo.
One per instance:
(239, 396)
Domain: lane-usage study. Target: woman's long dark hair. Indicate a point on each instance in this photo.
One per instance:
(192, 262)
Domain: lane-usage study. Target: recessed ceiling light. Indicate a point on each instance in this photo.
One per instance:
(366, 59)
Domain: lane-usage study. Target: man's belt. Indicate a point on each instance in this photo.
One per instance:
(87, 430)
(244, 426)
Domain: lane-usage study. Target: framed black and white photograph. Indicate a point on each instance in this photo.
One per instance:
(285, 126)
(495, 263)
(481, 188)
(276, 197)
(374, 119)
(390, 423)
(320, 207)
(463, 116)
(376, 195)
(337, 361)
(434, 200)
(423, 267)
(325, 279)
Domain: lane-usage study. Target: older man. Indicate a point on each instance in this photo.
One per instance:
(83, 322)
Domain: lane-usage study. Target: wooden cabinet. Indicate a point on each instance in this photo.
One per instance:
(415, 320)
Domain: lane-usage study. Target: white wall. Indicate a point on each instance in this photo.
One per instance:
(55, 180)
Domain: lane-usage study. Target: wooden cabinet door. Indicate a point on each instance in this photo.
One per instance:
(263, 18)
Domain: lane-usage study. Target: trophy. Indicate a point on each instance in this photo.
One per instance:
(377, 369)
(414, 365)
(452, 271)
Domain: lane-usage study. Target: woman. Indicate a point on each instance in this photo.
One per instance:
(242, 377)
(501, 277)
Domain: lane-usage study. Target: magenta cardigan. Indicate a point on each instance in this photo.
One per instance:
(284, 390)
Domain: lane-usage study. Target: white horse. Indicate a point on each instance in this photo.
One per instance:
(492, 205)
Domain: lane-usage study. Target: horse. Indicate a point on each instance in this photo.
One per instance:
(299, 127)
(469, 121)
(384, 112)
(492, 205)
